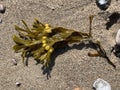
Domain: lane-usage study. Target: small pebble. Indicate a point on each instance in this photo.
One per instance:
(101, 84)
(0, 20)
(2, 8)
(117, 39)
(103, 4)
(78, 88)
(14, 62)
(18, 84)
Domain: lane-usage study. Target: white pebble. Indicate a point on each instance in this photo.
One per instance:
(101, 84)
(0, 20)
(118, 38)
(101, 2)
(18, 84)
(2, 8)
(14, 61)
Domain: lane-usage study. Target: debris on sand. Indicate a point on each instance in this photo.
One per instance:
(14, 61)
(101, 84)
(2, 8)
(18, 84)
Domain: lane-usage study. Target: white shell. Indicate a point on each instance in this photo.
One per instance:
(101, 2)
(18, 84)
(0, 20)
(118, 38)
(14, 61)
(101, 84)
(2, 8)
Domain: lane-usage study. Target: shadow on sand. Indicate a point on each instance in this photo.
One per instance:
(113, 18)
(57, 52)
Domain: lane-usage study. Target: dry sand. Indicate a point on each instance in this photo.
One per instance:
(73, 68)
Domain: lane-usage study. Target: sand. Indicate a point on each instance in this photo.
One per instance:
(73, 67)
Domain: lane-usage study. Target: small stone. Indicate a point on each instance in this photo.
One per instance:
(0, 20)
(103, 4)
(2, 8)
(101, 84)
(14, 61)
(117, 39)
(78, 88)
(18, 84)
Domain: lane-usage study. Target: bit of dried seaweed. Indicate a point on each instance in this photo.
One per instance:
(41, 40)
(100, 52)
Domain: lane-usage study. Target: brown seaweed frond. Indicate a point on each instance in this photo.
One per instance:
(101, 53)
(41, 40)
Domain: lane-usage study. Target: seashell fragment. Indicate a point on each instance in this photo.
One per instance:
(0, 20)
(14, 61)
(18, 84)
(101, 84)
(103, 4)
(2, 8)
(117, 39)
